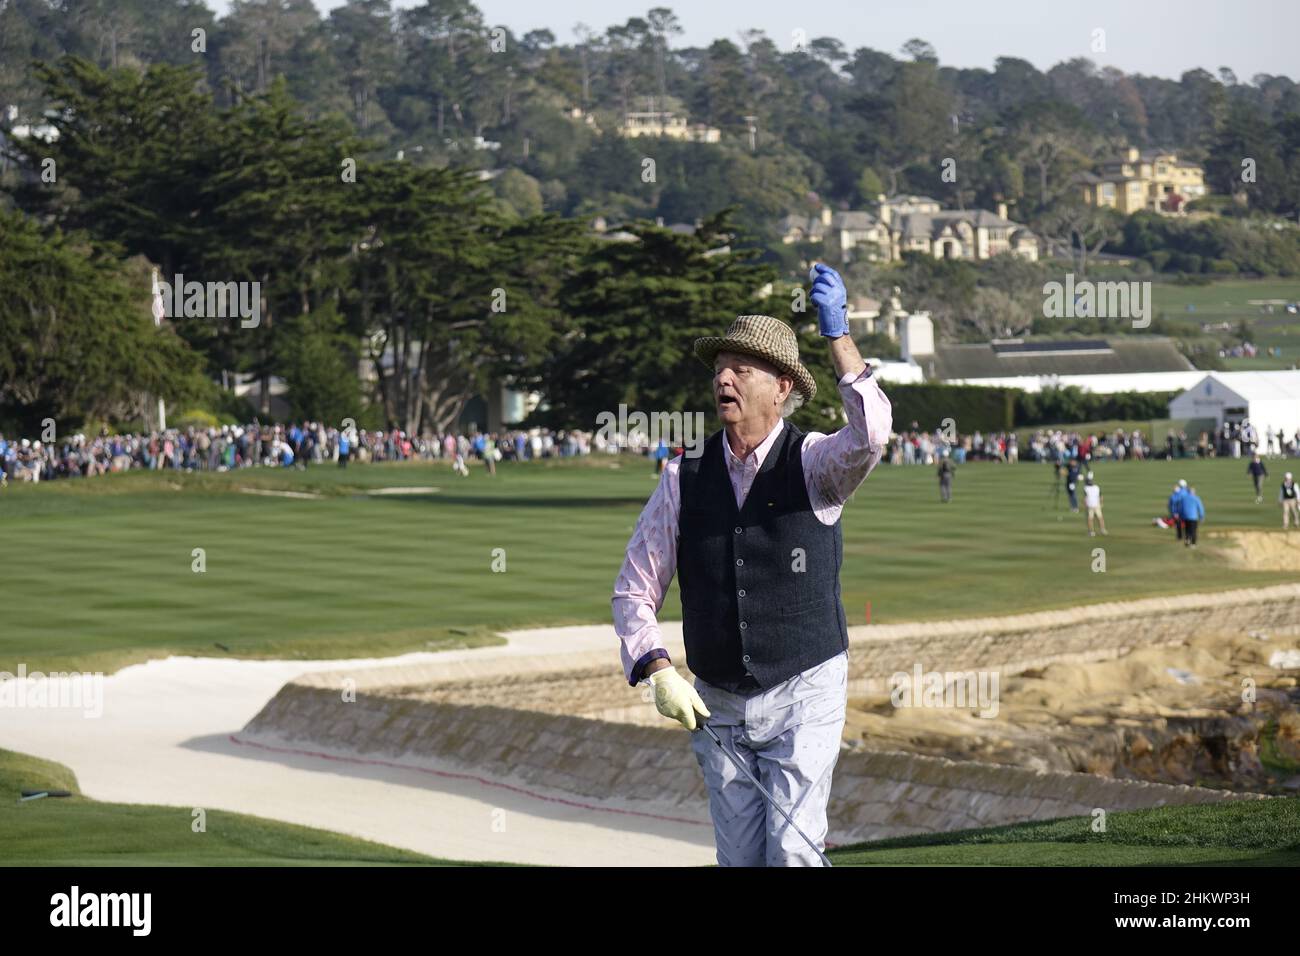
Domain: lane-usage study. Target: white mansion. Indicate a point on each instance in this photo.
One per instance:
(912, 224)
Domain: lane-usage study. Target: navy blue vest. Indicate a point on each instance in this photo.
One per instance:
(760, 585)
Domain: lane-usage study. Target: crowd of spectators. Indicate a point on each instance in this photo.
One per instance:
(915, 446)
(299, 445)
(295, 445)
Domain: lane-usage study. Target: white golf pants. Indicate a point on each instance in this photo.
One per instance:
(788, 736)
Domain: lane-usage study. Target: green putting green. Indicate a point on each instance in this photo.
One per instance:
(99, 573)
(77, 831)
(1239, 833)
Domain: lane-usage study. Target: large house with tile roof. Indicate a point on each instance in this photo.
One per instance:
(1150, 179)
(912, 224)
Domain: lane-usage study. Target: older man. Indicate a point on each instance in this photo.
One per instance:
(751, 525)
(1289, 498)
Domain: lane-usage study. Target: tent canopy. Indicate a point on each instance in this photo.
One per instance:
(1270, 400)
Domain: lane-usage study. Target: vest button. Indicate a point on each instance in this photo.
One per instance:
(740, 531)
(743, 625)
(741, 592)
(739, 562)
(745, 658)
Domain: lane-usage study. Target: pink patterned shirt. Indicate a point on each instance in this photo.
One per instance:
(833, 466)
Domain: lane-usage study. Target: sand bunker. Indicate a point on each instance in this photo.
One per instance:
(580, 692)
(1259, 550)
(1164, 714)
(310, 495)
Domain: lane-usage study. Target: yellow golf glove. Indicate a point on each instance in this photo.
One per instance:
(675, 698)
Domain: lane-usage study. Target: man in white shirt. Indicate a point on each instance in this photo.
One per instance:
(1092, 501)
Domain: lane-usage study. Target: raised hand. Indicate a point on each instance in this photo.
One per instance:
(832, 300)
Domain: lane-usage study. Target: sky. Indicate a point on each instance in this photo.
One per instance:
(1154, 37)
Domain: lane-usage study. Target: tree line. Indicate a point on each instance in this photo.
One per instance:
(390, 292)
(411, 189)
(828, 124)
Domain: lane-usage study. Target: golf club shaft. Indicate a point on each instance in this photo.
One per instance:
(770, 799)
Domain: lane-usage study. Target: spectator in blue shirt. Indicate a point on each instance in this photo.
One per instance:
(1176, 507)
(660, 457)
(1193, 513)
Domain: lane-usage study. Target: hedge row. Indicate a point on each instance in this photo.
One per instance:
(982, 408)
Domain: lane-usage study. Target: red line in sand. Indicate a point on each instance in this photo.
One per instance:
(465, 776)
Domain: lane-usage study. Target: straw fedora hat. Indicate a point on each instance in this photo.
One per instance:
(763, 337)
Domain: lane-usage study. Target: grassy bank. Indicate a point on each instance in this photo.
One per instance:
(1240, 833)
(78, 831)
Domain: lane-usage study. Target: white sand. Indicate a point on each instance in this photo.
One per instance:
(268, 493)
(164, 738)
(1259, 550)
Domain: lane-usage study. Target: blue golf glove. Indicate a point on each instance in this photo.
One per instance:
(832, 300)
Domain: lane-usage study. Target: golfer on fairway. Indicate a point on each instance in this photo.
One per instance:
(751, 525)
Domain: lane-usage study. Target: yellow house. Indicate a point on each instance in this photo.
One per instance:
(1154, 179)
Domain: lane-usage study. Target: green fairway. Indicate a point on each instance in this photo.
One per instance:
(76, 831)
(1228, 300)
(1233, 300)
(97, 573)
(1241, 833)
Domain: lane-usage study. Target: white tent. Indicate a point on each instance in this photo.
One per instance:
(1271, 400)
(1103, 383)
(887, 371)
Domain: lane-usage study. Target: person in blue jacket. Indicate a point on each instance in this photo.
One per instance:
(1175, 507)
(661, 456)
(1193, 513)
